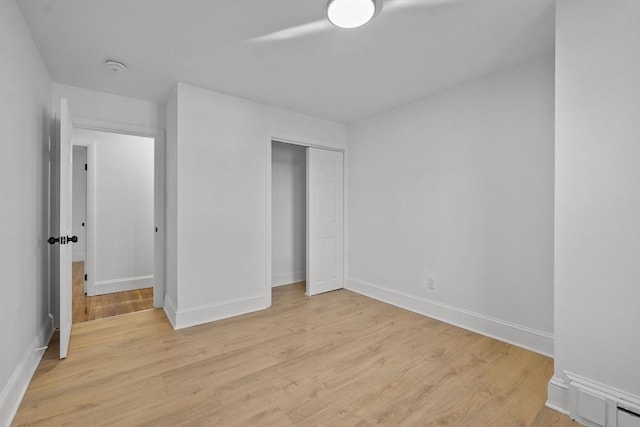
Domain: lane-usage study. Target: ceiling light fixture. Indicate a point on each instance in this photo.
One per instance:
(115, 66)
(350, 13)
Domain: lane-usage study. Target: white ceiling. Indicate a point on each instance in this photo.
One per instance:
(282, 52)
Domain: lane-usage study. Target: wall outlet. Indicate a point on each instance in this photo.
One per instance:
(431, 283)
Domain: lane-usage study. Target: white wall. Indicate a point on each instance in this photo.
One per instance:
(288, 213)
(597, 215)
(459, 187)
(218, 163)
(79, 201)
(107, 110)
(124, 224)
(25, 126)
(171, 249)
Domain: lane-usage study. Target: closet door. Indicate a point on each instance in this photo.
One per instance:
(325, 220)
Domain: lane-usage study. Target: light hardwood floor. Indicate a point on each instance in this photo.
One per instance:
(337, 359)
(100, 306)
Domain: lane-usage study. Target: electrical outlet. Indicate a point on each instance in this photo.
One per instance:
(431, 283)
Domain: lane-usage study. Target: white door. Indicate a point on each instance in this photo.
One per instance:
(64, 244)
(325, 231)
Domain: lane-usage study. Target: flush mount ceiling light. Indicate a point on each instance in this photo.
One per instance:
(350, 13)
(115, 66)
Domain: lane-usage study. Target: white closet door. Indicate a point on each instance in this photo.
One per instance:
(325, 221)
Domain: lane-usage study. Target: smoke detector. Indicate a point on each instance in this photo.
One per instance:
(115, 66)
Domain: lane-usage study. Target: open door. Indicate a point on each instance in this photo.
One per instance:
(325, 230)
(62, 224)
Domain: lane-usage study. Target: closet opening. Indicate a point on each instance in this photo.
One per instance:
(288, 217)
(305, 219)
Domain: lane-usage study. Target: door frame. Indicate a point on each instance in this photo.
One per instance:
(303, 142)
(89, 230)
(158, 136)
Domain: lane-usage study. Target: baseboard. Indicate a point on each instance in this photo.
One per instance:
(170, 310)
(557, 396)
(184, 318)
(521, 336)
(289, 278)
(603, 401)
(123, 285)
(593, 403)
(624, 399)
(13, 392)
(77, 257)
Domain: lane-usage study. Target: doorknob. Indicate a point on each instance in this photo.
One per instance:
(62, 240)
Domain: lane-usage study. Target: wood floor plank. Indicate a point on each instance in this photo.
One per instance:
(87, 308)
(337, 359)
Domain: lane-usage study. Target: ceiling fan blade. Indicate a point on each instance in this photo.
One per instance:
(294, 32)
(390, 5)
(322, 25)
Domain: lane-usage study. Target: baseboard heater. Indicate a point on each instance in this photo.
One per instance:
(596, 405)
(627, 418)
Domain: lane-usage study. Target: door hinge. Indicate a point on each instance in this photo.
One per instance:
(85, 166)
(85, 277)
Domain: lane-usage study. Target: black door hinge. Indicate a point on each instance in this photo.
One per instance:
(85, 277)
(85, 166)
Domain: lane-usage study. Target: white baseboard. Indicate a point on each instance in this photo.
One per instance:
(557, 396)
(287, 279)
(184, 318)
(169, 308)
(521, 336)
(77, 257)
(124, 284)
(13, 392)
(562, 396)
(592, 403)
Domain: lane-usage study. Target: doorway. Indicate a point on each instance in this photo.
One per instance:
(288, 217)
(113, 219)
(305, 217)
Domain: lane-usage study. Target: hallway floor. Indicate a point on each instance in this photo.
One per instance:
(100, 306)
